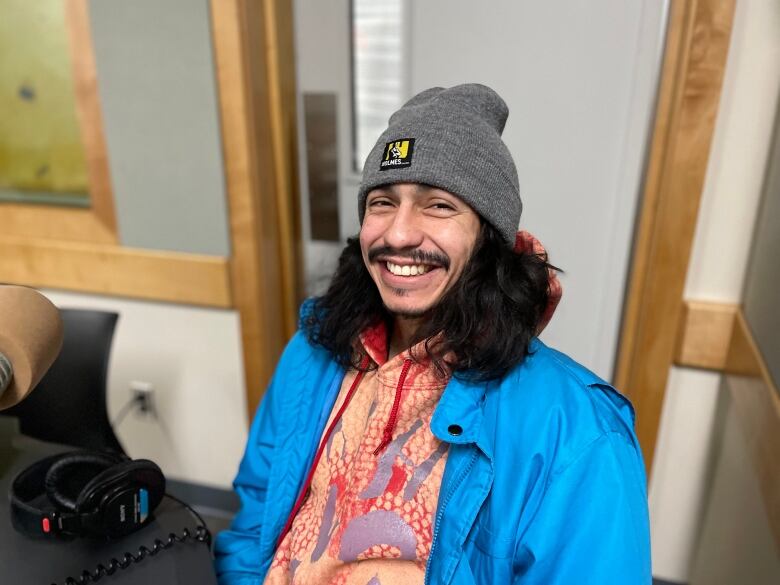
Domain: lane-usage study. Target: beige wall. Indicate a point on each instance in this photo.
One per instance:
(192, 357)
(681, 476)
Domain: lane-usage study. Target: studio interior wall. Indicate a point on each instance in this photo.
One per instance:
(192, 358)
(580, 81)
(690, 425)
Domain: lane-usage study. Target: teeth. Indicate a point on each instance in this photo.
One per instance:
(407, 270)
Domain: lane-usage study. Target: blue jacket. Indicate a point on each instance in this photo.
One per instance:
(545, 485)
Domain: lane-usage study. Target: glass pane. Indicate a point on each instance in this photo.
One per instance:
(378, 59)
(322, 164)
(42, 157)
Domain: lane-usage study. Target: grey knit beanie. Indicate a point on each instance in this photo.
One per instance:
(451, 139)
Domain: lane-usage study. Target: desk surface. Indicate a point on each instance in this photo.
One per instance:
(32, 561)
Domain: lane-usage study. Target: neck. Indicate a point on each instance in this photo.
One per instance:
(404, 335)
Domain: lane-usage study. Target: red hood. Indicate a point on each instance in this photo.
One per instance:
(526, 242)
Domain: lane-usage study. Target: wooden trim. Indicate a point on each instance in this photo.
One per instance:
(248, 74)
(744, 357)
(56, 223)
(278, 18)
(757, 404)
(705, 334)
(692, 76)
(90, 113)
(112, 270)
(78, 249)
(98, 223)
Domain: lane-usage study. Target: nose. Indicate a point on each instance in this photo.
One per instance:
(404, 230)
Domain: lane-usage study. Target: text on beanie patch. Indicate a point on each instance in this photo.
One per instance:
(397, 154)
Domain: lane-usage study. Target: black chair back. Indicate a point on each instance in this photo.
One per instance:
(69, 404)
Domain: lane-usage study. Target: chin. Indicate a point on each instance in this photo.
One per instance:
(407, 309)
(408, 313)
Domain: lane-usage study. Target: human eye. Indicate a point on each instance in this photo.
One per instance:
(442, 206)
(379, 202)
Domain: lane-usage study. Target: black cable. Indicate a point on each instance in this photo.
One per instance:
(201, 534)
(198, 517)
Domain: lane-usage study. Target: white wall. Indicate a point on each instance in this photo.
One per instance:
(193, 358)
(683, 460)
(580, 80)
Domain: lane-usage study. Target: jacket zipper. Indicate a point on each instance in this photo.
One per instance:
(436, 526)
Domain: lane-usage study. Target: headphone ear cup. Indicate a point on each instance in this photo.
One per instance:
(70, 474)
(139, 474)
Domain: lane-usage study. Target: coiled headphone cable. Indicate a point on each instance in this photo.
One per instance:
(201, 534)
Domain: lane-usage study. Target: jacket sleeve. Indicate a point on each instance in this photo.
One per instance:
(237, 551)
(592, 525)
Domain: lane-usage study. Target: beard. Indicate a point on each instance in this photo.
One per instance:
(415, 314)
(420, 314)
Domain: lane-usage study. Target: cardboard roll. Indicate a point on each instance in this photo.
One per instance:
(30, 339)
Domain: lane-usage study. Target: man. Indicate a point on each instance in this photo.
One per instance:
(416, 429)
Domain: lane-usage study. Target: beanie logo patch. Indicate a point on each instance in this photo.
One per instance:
(398, 154)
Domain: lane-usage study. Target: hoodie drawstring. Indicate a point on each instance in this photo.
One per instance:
(307, 484)
(387, 435)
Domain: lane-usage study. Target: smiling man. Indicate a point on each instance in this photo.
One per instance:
(416, 429)
(415, 242)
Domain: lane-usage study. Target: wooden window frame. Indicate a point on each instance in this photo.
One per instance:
(97, 223)
(253, 47)
(79, 249)
(692, 77)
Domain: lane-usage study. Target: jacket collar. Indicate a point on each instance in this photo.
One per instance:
(458, 416)
(462, 408)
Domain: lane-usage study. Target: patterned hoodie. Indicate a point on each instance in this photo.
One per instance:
(368, 515)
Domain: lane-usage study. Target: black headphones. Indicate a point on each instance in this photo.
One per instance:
(85, 493)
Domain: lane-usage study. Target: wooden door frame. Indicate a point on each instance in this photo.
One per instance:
(97, 223)
(695, 57)
(253, 47)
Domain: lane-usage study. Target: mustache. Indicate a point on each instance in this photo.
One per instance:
(417, 256)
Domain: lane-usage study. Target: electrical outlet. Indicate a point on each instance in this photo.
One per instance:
(142, 394)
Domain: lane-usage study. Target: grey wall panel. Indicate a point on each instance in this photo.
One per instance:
(158, 92)
(762, 282)
(735, 542)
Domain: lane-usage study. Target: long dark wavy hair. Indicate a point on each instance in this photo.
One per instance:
(486, 319)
